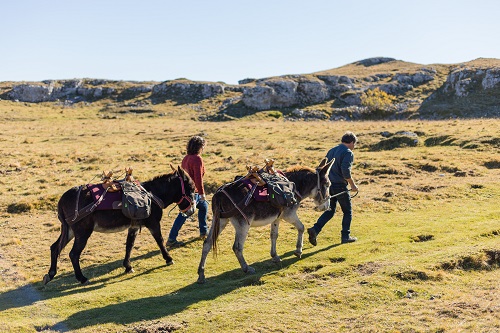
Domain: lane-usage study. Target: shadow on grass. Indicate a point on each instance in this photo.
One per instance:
(151, 308)
(66, 284)
(148, 308)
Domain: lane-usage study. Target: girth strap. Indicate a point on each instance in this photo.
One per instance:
(236, 208)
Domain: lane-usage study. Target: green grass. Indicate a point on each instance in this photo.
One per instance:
(426, 259)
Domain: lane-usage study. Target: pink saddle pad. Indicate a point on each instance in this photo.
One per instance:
(112, 200)
(260, 193)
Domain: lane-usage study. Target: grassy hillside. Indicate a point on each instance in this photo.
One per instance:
(427, 219)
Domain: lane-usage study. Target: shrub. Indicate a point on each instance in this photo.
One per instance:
(377, 100)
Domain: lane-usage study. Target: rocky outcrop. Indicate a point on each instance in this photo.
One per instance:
(491, 78)
(276, 93)
(50, 91)
(462, 81)
(469, 91)
(186, 91)
(422, 90)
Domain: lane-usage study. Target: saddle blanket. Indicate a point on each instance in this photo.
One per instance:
(260, 193)
(112, 200)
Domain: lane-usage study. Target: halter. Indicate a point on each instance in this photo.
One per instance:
(319, 188)
(184, 197)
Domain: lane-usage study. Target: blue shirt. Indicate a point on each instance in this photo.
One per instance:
(341, 168)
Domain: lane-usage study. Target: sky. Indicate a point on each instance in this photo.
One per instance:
(232, 40)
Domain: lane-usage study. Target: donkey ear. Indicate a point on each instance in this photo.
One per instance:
(322, 163)
(326, 168)
(180, 171)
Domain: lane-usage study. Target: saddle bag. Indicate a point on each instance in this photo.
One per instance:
(136, 202)
(280, 191)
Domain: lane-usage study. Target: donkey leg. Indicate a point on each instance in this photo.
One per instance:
(207, 245)
(131, 236)
(242, 228)
(74, 255)
(55, 251)
(274, 237)
(294, 219)
(155, 231)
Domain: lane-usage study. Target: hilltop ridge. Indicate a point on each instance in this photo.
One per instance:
(436, 91)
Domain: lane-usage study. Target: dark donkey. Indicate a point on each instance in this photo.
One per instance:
(176, 187)
(313, 183)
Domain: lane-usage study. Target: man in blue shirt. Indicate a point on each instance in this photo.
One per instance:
(340, 176)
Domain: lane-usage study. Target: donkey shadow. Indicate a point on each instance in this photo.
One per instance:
(178, 300)
(65, 284)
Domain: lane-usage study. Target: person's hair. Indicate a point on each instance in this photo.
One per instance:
(349, 137)
(195, 144)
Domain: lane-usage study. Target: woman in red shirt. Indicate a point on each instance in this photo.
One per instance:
(194, 166)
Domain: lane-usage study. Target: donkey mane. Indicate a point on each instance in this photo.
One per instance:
(168, 176)
(298, 168)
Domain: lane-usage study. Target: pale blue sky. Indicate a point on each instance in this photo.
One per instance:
(223, 40)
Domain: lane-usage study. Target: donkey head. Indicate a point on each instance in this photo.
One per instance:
(187, 203)
(322, 197)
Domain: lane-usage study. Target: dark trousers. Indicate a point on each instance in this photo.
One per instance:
(344, 201)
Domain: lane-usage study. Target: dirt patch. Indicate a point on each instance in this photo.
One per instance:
(312, 269)
(493, 233)
(413, 275)
(156, 327)
(19, 207)
(368, 268)
(428, 167)
(387, 171)
(397, 141)
(492, 164)
(426, 188)
(443, 140)
(422, 238)
(337, 259)
(484, 260)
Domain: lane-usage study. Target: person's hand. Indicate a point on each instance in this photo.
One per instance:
(354, 188)
(202, 198)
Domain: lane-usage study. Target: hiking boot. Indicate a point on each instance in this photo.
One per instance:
(174, 243)
(312, 236)
(349, 239)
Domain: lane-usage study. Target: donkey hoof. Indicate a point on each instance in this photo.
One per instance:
(276, 260)
(129, 270)
(201, 280)
(46, 279)
(170, 263)
(250, 270)
(298, 254)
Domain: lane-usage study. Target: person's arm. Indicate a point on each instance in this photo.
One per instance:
(346, 170)
(352, 184)
(198, 169)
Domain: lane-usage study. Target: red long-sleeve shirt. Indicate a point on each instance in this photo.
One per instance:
(195, 167)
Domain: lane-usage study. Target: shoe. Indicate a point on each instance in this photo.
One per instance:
(171, 243)
(312, 236)
(349, 239)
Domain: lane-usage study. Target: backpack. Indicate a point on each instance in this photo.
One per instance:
(280, 191)
(136, 202)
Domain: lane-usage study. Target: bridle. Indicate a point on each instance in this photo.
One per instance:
(322, 197)
(184, 197)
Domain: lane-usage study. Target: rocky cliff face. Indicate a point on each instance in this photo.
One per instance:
(469, 91)
(427, 88)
